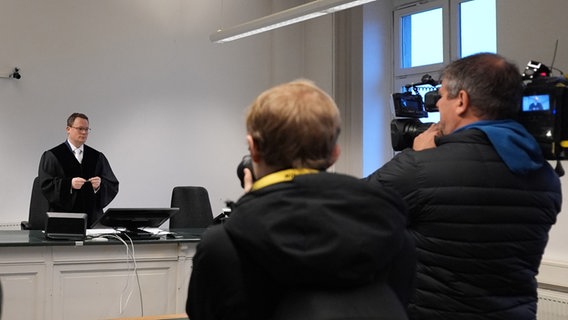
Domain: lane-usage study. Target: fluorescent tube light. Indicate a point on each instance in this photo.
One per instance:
(283, 18)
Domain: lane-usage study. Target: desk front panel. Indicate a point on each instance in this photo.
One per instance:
(94, 281)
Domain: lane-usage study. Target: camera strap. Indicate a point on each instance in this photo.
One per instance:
(281, 176)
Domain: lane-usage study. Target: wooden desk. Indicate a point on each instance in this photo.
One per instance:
(86, 280)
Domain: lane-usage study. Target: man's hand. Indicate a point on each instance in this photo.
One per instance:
(425, 140)
(95, 182)
(77, 183)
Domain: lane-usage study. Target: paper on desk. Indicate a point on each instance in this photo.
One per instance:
(100, 232)
(155, 230)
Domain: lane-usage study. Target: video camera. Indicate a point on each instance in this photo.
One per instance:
(409, 107)
(544, 110)
(246, 162)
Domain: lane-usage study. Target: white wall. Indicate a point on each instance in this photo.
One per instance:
(166, 105)
(377, 84)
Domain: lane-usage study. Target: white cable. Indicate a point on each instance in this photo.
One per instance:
(122, 306)
(137, 276)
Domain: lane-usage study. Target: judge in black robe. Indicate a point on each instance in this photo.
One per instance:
(58, 167)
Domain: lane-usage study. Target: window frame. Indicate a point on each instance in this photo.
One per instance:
(455, 30)
(418, 8)
(451, 15)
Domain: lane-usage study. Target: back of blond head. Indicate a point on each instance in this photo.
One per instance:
(294, 125)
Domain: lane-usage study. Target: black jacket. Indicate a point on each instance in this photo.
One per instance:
(58, 167)
(318, 235)
(480, 229)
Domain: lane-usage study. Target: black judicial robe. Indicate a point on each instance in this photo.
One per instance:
(59, 166)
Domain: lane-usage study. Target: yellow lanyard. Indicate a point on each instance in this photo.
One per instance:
(280, 176)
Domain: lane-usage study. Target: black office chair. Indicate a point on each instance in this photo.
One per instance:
(194, 207)
(38, 208)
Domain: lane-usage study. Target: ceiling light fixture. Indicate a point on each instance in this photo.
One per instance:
(283, 18)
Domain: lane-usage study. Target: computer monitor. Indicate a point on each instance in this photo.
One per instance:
(134, 219)
(65, 225)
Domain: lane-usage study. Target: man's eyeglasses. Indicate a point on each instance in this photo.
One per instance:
(82, 129)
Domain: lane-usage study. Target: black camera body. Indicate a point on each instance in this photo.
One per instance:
(409, 107)
(544, 113)
(246, 162)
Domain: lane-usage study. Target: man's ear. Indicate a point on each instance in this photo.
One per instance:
(252, 149)
(335, 154)
(463, 103)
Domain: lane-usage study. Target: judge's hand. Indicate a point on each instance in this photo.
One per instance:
(425, 140)
(95, 182)
(247, 180)
(77, 183)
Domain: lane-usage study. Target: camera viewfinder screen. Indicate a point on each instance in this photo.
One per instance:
(537, 102)
(411, 104)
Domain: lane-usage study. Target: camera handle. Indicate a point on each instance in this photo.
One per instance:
(559, 169)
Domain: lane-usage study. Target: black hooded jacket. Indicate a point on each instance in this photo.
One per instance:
(480, 217)
(319, 232)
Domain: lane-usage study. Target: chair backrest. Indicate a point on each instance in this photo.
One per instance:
(38, 207)
(194, 207)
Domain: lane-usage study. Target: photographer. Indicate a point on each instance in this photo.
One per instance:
(481, 198)
(303, 243)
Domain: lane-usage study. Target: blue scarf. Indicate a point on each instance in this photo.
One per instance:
(514, 144)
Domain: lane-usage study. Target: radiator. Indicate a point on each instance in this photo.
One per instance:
(552, 305)
(9, 226)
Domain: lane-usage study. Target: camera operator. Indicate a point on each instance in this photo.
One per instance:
(481, 196)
